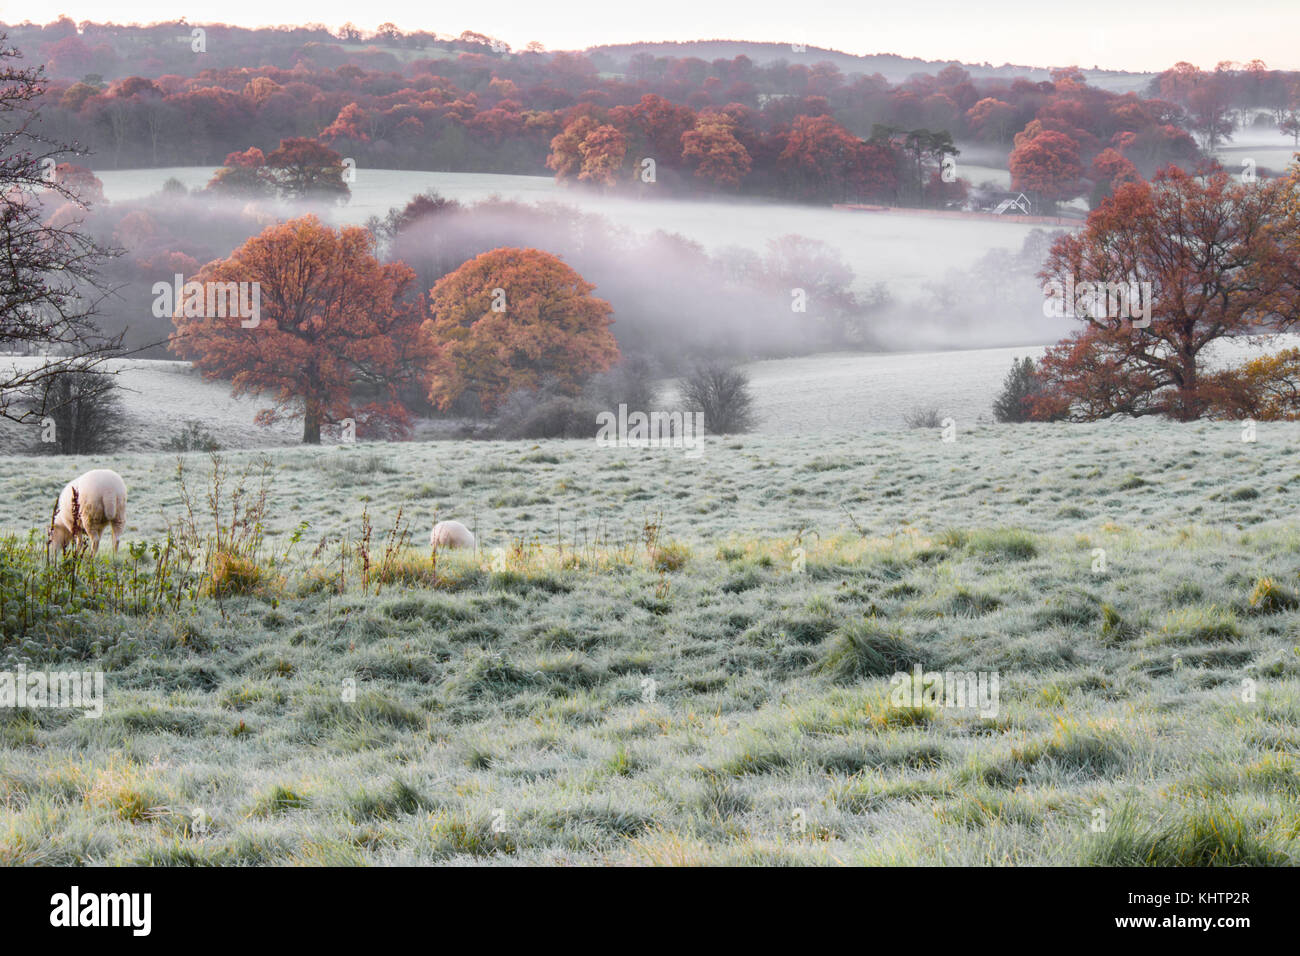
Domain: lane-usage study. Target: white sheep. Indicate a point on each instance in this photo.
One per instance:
(451, 534)
(101, 503)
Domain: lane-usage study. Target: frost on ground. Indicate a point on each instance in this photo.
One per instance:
(158, 398)
(726, 700)
(834, 394)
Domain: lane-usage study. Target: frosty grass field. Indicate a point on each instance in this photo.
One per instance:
(717, 696)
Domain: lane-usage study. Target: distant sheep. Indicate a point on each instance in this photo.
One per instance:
(101, 503)
(451, 534)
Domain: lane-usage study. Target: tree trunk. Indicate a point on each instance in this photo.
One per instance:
(311, 424)
(1189, 397)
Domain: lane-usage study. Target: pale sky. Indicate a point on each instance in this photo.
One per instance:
(1138, 35)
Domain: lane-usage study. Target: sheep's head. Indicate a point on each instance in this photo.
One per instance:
(57, 540)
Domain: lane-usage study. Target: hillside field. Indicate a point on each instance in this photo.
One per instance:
(657, 659)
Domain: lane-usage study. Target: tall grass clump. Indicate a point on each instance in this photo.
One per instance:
(866, 649)
(225, 539)
(1200, 625)
(1269, 597)
(1209, 834)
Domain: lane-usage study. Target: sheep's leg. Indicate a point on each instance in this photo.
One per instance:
(117, 533)
(94, 542)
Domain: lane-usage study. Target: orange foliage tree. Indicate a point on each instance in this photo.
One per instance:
(603, 151)
(654, 128)
(1219, 258)
(333, 340)
(298, 169)
(991, 119)
(241, 175)
(1047, 165)
(712, 148)
(302, 168)
(1110, 168)
(1264, 389)
(822, 158)
(515, 319)
(588, 151)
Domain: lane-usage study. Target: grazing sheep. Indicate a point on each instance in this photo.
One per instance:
(101, 502)
(451, 534)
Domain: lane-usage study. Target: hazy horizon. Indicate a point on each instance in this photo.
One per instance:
(1148, 38)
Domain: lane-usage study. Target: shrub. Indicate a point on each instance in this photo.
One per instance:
(722, 393)
(230, 574)
(631, 382)
(84, 408)
(1013, 403)
(193, 436)
(670, 557)
(927, 416)
(545, 413)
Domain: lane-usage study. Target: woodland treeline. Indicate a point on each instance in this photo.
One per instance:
(792, 129)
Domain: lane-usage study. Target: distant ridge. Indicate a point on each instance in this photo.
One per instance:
(893, 67)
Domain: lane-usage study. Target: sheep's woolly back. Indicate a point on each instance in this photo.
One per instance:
(101, 500)
(451, 534)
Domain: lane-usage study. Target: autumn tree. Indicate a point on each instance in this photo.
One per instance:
(515, 319)
(1047, 166)
(821, 157)
(654, 127)
(81, 182)
(565, 158)
(1109, 169)
(713, 150)
(992, 120)
(348, 125)
(1266, 388)
(1206, 97)
(588, 151)
(241, 176)
(333, 338)
(603, 151)
(1210, 258)
(304, 169)
(298, 169)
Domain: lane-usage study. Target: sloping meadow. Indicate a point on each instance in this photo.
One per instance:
(658, 659)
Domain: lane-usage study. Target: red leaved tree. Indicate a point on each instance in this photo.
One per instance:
(1047, 166)
(1215, 255)
(822, 158)
(333, 338)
